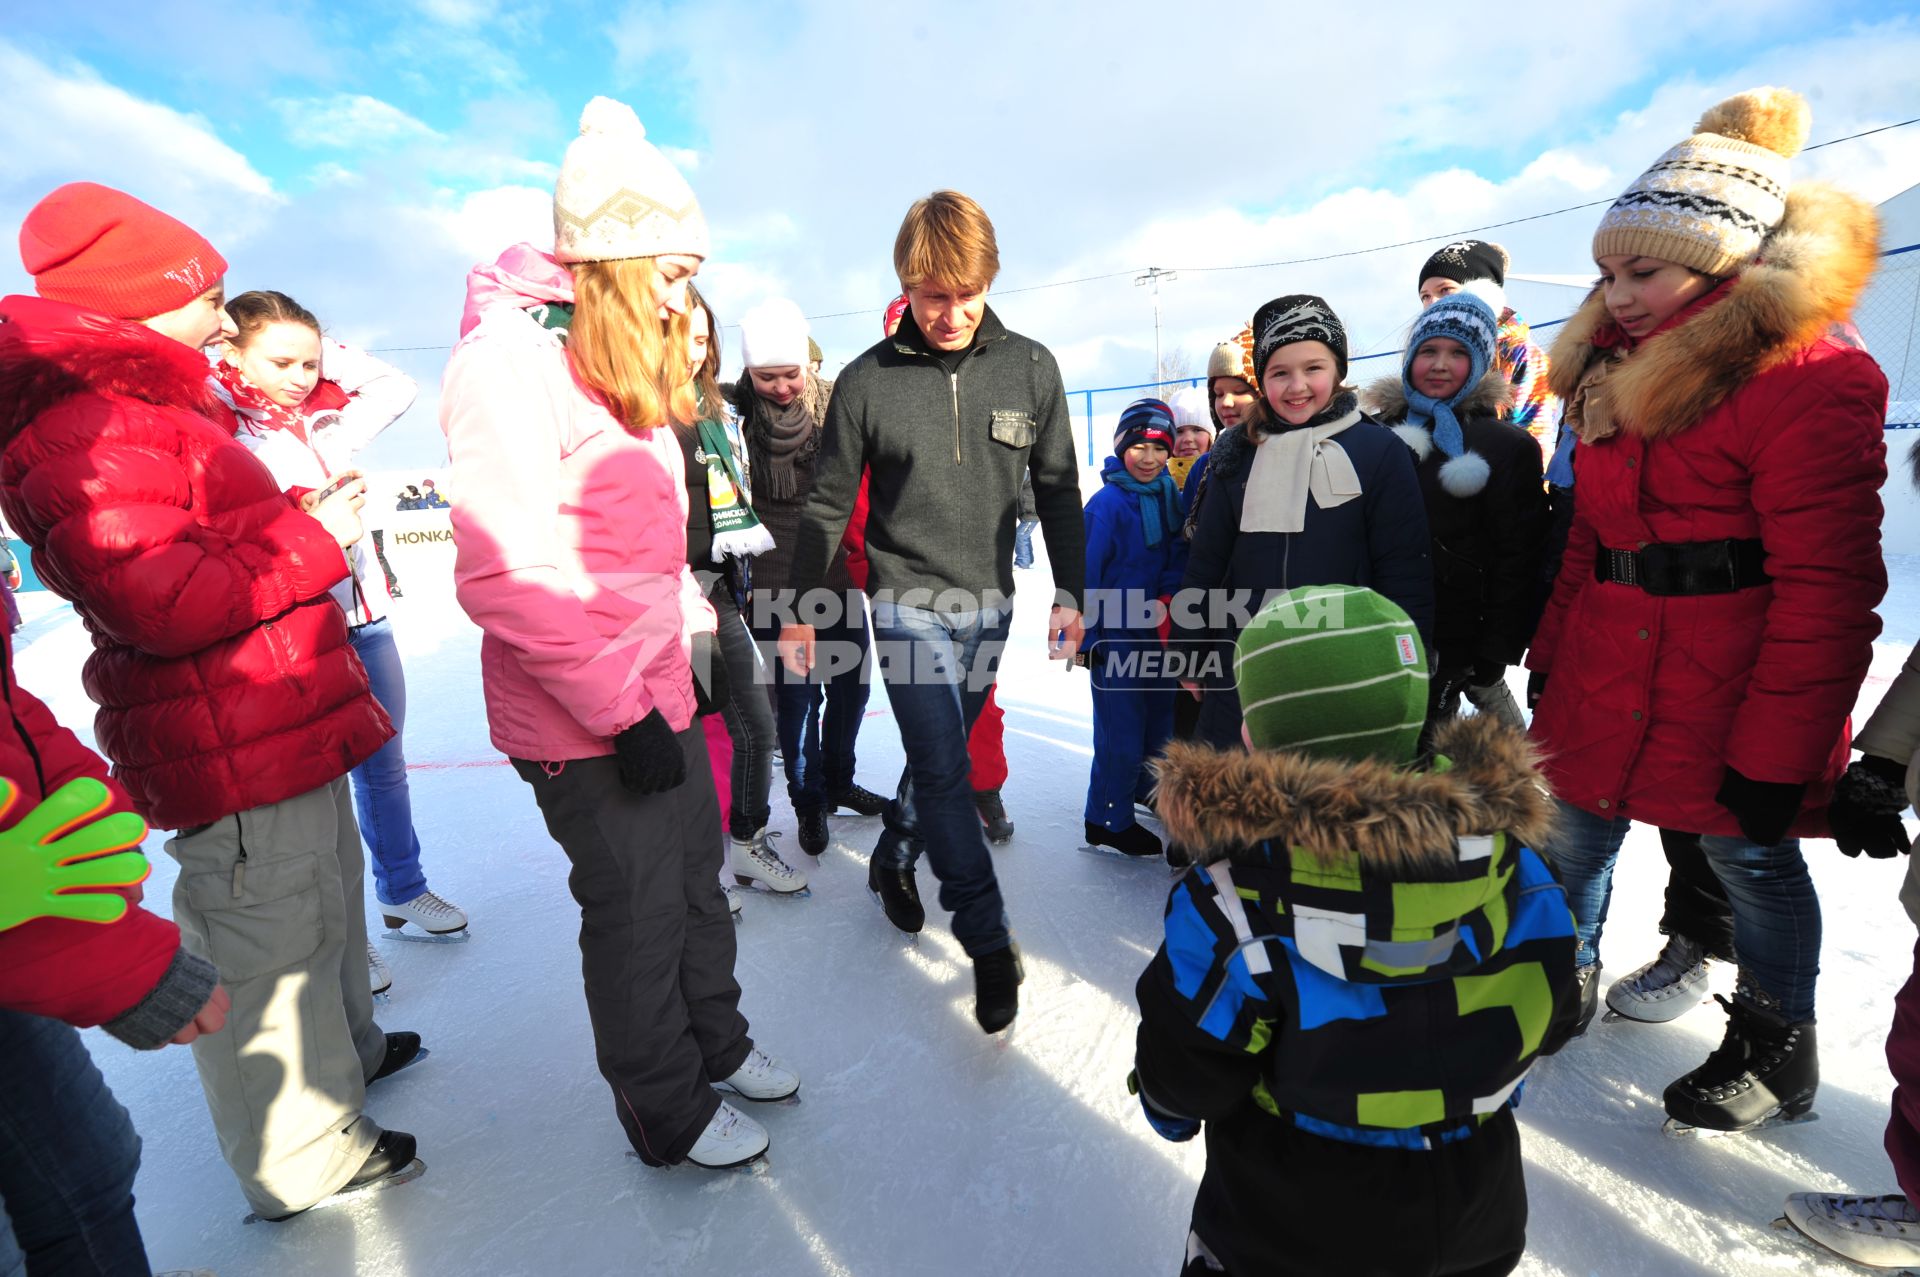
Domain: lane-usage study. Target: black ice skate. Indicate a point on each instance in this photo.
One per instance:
(1134, 840)
(392, 1162)
(898, 893)
(996, 987)
(993, 814)
(1765, 1073)
(861, 802)
(1589, 978)
(813, 832)
(403, 1049)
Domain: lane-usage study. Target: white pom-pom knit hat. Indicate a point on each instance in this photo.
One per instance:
(619, 197)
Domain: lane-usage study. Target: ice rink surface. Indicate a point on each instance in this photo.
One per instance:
(920, 1145)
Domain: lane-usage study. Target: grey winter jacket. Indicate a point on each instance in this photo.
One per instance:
(946, 453)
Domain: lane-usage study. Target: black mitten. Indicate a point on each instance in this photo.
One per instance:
(1764, 808)
(649, 756)
(1536, 688)
(1865, 812)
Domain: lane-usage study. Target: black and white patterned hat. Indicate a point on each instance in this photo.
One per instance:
(1297, 317)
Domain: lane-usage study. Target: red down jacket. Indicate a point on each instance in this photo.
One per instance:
(1746, 418)
(220, 665)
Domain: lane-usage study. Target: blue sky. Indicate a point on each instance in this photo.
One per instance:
(363, 156)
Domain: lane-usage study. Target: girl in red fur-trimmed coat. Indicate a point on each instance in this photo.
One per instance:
(1713, 617)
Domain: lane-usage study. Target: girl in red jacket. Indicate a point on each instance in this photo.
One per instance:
(1713, 617)
(230, 701)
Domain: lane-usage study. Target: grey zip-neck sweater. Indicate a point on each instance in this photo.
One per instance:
(947, 450)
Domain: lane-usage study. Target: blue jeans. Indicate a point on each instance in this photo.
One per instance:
(1023, 543)
(68, 1155)
(938, 667)
(381, 798)
(816, 748)
(1776, 915)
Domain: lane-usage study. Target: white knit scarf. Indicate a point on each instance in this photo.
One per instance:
(1289, 465)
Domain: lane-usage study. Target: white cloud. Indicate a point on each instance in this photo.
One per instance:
(684, 159)
(349, 122)
(485, 222)
(81, 128)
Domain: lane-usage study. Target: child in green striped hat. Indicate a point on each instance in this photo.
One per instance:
(1362, 964)
(1336, 671)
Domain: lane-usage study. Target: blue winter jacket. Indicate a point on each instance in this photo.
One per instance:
(1120, 564)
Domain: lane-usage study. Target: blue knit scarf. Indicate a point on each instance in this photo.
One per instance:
(1470, 322)
(1159, 500)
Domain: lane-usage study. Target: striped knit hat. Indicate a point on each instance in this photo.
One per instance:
(1144, 421)
(1710, 202)
(1335, 671)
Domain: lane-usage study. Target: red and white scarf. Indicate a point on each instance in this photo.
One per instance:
(256, 412)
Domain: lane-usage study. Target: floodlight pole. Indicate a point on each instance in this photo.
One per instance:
(1153, 276)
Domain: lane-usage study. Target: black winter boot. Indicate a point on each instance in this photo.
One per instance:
(1765, 1067)
(993, 814)
(1131, 841)
(899, 894)
(996, 987)
(813, 831)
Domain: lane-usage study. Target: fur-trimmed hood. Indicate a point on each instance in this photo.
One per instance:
(1401, 825)
(51, 351)
(1385, 400)
(1806, 277)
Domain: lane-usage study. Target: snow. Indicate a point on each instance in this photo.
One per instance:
(921, 1146)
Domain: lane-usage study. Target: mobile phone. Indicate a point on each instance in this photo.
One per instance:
(333, 487)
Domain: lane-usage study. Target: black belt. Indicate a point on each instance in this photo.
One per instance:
(1686, 567)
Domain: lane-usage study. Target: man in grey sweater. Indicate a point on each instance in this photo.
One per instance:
(946, 416)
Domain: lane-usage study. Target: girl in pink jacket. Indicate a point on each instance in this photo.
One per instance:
(570, 539)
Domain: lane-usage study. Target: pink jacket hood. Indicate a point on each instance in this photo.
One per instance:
(522, 277)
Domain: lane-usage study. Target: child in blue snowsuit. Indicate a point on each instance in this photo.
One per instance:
(1135, 556)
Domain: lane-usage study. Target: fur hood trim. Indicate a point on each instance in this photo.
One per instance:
(1806, 277)
(1385, 400)
(1403, 825)
(50, 351)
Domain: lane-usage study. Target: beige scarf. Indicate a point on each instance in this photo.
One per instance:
(1290, 465)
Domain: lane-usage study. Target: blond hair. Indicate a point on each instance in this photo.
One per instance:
(947, 238)
(620, 347)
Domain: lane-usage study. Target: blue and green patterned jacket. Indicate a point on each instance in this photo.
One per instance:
(1375, 954)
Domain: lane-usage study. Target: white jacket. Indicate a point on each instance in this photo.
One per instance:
(377, 393)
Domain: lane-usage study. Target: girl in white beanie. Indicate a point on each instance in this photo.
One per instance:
(783, 407)
(570, 534)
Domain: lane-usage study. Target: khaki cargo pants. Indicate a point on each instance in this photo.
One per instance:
(273, 896)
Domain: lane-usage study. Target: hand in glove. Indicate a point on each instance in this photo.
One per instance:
(1486, 673)
(649, 756)
(58, 850)
(1764, 808)
(1165, 1125)
(1536, 688)
(711, 688)
(1865, 812)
